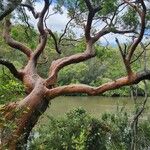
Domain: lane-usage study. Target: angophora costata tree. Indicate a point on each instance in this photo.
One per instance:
(112, 16)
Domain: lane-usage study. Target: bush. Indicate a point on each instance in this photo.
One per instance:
(78, 131)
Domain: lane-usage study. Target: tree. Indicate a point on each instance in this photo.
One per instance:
(6, 7)
(23, 115)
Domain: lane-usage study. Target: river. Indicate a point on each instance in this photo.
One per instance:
(94, 105)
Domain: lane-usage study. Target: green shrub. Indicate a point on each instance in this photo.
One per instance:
(78, 131)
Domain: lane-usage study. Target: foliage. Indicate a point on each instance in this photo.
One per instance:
(78, 131)
(73, 74)
(26, 34)
(106, 9)
(10, 88)
(144, 139)
(120, 130)
(130, 18)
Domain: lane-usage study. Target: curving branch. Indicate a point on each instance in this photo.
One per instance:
(88, 26)
(57, 44)
(58, 64)
(110, 28)
(65, 30)
(89, 53)
(31, 8)
(40, 47)
(13, 43)
(55, 40)
(62, 62)
(40, 23)
(43, 33)
(81, 88)
(102, 32)
(107, 30)
(92, 12)
(142, 14)
(133, 5)
(12, 69)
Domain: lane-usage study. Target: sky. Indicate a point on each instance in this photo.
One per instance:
(57, 23)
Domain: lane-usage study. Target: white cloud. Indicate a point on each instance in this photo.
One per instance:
(110, 38)
(57, 23)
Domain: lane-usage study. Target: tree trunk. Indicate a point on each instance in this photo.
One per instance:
(19, 118)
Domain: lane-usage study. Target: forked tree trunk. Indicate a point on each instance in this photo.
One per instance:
(20, 117)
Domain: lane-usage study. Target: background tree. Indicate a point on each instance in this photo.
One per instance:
(6, 7)
(21, 116)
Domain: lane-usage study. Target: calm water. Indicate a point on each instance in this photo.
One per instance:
(95, 105)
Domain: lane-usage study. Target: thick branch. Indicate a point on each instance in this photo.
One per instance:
(43, 33)
(11, 42)
(123, 31)
(40, 47)
(92, 12)
(12, 69)
(101, 33)
(60, 63)
(81, 88)
(89, 5)
(41, 17)
(88, 26)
